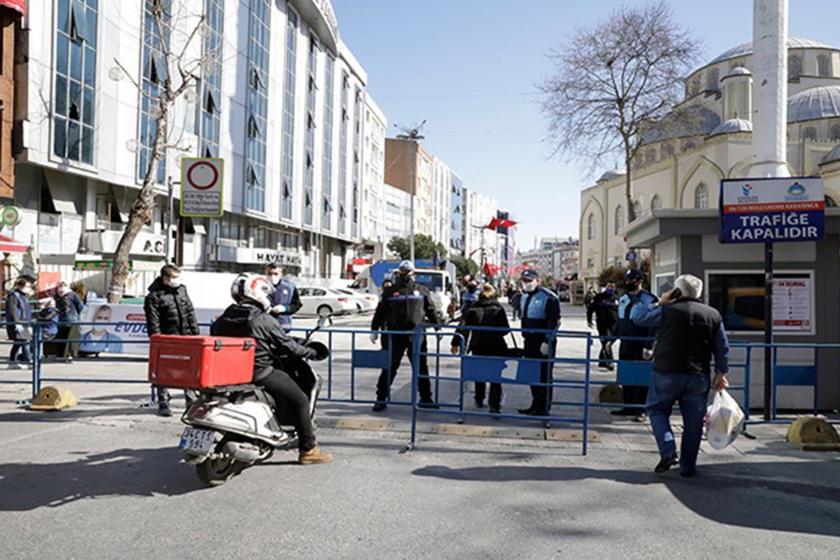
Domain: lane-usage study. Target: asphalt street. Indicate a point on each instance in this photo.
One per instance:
(104, 480)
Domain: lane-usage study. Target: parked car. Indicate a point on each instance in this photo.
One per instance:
(366, 302)
(325, 301)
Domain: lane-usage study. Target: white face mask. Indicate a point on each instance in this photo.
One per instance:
(174, 282)
(275, 278)
(529, 287)
(63, 290)
(27, 290)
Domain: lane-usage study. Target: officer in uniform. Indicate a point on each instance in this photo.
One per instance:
(285, 300)
(604, 307)
(636, 343)
(540, 310)
(401, 308)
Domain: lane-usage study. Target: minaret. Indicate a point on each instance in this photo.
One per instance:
(769, 92)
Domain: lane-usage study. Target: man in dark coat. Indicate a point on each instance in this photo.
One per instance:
(169, 310)
(402, 307)
(604, 308)
(18, 317)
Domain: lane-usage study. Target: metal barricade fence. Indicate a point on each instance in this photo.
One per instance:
(505, 370)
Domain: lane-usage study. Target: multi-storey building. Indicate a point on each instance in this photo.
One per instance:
(482, 244)
(280, 98)
(397, 213)
(373, 174)
(458, 216)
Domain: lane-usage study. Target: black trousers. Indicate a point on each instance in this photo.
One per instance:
(540, 395)
(605, 356)
(400, 344)
(293, 403)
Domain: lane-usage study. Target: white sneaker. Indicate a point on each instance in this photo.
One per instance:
(14, 365)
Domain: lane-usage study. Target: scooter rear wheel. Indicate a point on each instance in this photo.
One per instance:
(215, 472)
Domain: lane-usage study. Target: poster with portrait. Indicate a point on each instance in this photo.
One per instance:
(121, 329)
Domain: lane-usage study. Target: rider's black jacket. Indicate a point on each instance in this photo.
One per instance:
(403, 307)
(273, 344)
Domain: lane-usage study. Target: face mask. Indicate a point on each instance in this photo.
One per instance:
(63, 291)
(275, 278)
(529, 287)
(610, 291)
(26, 291)
(174, 282)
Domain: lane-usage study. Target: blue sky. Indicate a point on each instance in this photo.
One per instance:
(470, 67)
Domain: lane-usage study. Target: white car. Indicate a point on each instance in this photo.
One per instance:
(325, 301)
(367, 302)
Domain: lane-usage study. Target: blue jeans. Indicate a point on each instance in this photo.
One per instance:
(692, 392)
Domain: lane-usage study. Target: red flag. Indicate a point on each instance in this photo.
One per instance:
(494, 223)
(506, 223)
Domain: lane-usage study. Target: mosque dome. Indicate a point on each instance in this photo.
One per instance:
(732, 126)
(745, 49)
(815, 103)
(738, 71)
(693, 121)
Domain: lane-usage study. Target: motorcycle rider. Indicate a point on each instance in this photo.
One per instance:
(401, 308)
(249, 317)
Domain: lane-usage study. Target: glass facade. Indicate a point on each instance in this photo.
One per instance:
(326, 179)
(257, 104)
(457, 208)
(357, 161)
(309, 172)
(342, 155)
(289, 117)
(157, 19)
(75, 79)
(211, 84)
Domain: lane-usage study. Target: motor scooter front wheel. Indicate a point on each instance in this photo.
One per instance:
(215, 471)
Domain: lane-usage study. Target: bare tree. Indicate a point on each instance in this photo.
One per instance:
(187, 71)
(612, 82)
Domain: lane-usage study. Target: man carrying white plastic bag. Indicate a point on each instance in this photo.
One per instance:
(689, 333)
(724, 420)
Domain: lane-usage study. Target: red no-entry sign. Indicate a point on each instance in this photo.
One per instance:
(202, 180)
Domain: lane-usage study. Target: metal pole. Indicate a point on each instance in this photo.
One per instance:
(768, 329)
(411, 178)
(169, 218)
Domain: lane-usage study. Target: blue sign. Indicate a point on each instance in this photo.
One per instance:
(495, 370)
(771, 210)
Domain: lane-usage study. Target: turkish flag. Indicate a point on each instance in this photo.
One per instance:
(494, 223)
(491, 269)
(507, 223)
(17, 5)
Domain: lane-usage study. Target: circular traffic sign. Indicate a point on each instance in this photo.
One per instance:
(202, 175)
(11, 215)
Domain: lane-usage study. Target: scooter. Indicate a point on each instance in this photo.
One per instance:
(233, 427)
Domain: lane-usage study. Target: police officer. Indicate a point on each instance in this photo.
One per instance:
(635, 340)
(285, 300)
(540, 310)
(401, 308)
(604, 307)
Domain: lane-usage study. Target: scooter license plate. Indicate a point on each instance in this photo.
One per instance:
(194, 439)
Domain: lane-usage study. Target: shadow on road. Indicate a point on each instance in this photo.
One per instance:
(124, 472)
(759, 495)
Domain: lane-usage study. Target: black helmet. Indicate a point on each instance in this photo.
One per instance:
(634, 275)
(321, 350)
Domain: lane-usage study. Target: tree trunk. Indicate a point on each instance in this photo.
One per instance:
(141, 210)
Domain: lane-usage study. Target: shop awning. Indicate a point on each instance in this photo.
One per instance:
(17, 5)
(9, 245)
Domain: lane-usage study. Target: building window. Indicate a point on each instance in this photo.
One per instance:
(157, 22)
(590, 227)
(590, 263)
(656, 202)
(794, 67)
(650, 156)
(309, 172)
(713, 80)
(357, 140)
(637, 208)
(701, 197)
(257, 104)
(809, 133)
(694, 85)
(668, 150)
(75, 80)
(210, 89)
(835, 132)
(289, 115)
(687, 145)
(823, 66)
(830, 202)
(618, 223)
(342, 155)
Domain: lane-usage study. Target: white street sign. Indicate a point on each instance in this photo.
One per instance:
(201, 187)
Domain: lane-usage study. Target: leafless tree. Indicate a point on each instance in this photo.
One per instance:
(612, 82)
(176, 72)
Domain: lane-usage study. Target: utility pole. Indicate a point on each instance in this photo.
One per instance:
(412, 136)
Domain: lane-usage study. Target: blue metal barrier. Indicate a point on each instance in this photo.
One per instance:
(507, 370)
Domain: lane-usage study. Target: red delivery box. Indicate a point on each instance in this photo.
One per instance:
(200, 362)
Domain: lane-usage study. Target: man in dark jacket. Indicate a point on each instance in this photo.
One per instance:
(247, 318)
(540, 311)
(285, 300)
(487, 312)
(169, 310)
(604, 307)
(688, 334)
(18, 317)
(636, 341)
(401, 308)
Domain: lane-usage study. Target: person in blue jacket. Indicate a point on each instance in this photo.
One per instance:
(636, 341)
(540, 310)
(470, 296)
(285, 301)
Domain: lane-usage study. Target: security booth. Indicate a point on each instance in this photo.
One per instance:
(806, 299)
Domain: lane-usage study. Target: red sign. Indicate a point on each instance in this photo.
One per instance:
(17, 5)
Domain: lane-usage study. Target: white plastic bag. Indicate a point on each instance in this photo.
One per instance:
(724, 420)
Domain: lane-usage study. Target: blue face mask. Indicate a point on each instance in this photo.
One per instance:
(610, 291)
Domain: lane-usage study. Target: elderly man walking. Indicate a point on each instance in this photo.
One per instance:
(689, 333)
